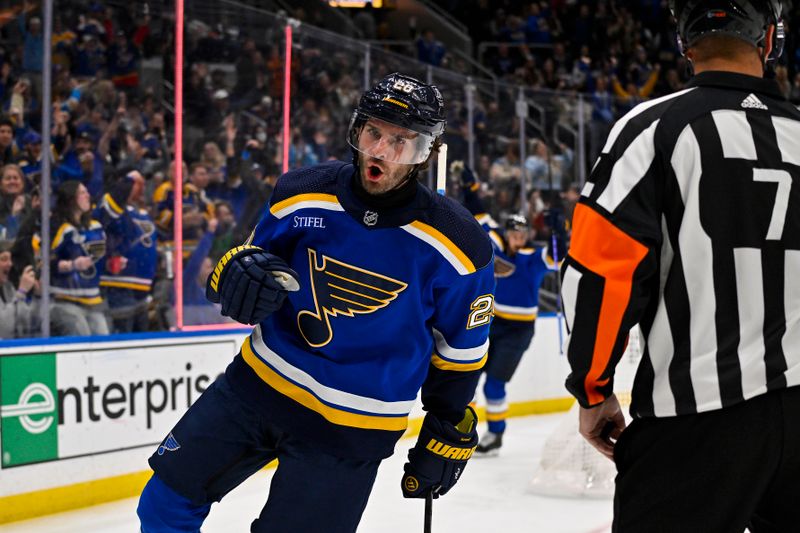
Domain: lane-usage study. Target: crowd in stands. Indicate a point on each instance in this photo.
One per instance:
(112, 156)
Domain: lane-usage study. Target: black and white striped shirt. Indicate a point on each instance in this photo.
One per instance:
(690, 226)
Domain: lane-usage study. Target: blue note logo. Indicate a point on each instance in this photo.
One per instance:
(341, 289)
(170, 445)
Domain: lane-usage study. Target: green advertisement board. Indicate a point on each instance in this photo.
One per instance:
(28, 409)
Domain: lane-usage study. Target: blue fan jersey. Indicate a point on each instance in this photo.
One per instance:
(130, 233)
(518, 277)
(390, 301)
(69, 243)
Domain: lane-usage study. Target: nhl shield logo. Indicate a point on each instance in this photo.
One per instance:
(370, 218)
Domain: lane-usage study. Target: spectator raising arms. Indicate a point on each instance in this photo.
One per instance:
(130, 263)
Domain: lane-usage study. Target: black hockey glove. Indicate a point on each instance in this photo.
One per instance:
(440, 456)
(250, 283)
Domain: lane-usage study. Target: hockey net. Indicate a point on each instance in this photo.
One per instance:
(570, 467)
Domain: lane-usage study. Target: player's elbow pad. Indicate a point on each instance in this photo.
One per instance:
(440, 456)
(250, 284)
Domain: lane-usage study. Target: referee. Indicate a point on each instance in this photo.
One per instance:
(690, 226)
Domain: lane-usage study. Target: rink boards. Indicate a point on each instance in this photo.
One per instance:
(79, 420)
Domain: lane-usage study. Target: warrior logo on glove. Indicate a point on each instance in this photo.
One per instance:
(250, 283)
(440, 456)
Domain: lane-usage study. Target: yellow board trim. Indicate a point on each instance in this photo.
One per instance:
(439, 236)
(58, 499)
(443, 364)
(308, 400)
(519, 318)
(308, 197)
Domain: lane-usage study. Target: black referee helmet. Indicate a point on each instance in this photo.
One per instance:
(748, 20)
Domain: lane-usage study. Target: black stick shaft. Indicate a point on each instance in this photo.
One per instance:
(428, 512)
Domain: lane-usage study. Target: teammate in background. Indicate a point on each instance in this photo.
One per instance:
(690, 226)
(363, 286)
(518, 270)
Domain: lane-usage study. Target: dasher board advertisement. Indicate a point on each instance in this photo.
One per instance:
(77, 402)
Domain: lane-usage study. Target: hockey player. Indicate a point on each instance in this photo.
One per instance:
(519, 270)
(363, 286)
(690, 226)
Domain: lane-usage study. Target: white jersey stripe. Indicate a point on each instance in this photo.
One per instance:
(461, 355)
(659, 343)
(327, 394)
(787, 132)
(496, 406)
(308, 204)
(635, 112)
(791, 305)
(629, 170)
(696, 251)
(750, 296)
(569, 293)
(735, 134)
(439, 246)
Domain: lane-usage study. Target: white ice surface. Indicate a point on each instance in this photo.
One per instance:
(492, 497)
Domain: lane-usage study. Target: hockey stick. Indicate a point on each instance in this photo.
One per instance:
(441, 170)
(441, 186)
(428, 512)
(558, 295)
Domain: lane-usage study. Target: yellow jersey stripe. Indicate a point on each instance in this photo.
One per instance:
(320, 200)
(443, 364)
(125, 285)
(85, 301)
(161, 192)
(444, 245)
(496, 417)
(113, 205)
(308, 400)
(497, 240)
(513, 316)
(60, 235)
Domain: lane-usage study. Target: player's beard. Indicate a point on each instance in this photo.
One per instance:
(381, 177)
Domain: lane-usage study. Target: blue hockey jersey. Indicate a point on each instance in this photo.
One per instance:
(518, 277)
(390, 301)
(130, 233)
(83, 286)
